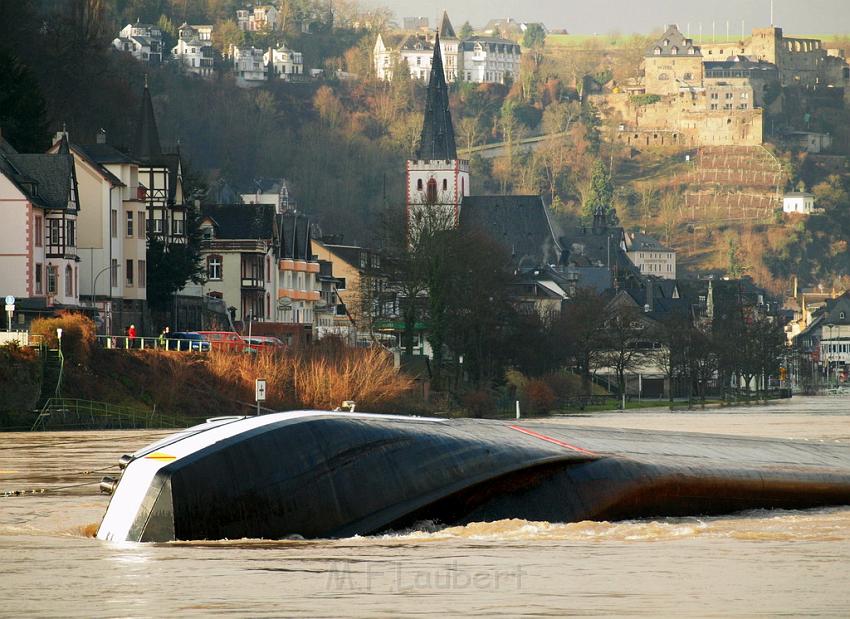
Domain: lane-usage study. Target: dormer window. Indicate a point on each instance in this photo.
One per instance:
(674, 51)
(657, 51)
(691, 51)
(666, 42)
(841, 316)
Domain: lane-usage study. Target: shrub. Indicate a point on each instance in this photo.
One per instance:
(641, 100)
(321, 377)
(539, 397)
(20, 378)
(78, 334)
(478, 403)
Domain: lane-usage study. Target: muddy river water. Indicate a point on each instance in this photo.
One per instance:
(755, 563)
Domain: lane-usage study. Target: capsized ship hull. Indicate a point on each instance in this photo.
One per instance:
(323, 474)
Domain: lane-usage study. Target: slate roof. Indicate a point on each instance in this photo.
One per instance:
(674, 39)
(415, 42)
(295, 241)
(241, 221)
(446, 30)
(83, 152)
(438, 136)
(491, 44)
(644, 242)
(51, 175)
(520, 223)
(146, 144)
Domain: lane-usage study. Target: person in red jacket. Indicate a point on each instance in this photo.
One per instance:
(131, 336)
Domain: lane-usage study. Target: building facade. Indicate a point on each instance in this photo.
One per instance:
(650, 256)
(194, 50)
(238, 253)
(489, 60)
(40, 203)
(143, 41)
(298, 290)
(259, 17)
(286, 64)
(112, 235)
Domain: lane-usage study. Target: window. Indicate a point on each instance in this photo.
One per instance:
(39, 231)
(268, 270)
(688, 76)
(114, 224)
(445, 184)
(71, 228)
(129, 274)
(140, 224)
(419, 184)
(178, 226)
(52, 277)
(39, 284)
(53, 231)
(113, 278)
(663, 76)
(69, 281)
(129, 224)
(157, 226)
(214, 267)
(143, 276)
(841, 316)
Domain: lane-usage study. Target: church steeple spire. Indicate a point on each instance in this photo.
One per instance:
(147, 136)
(438, 136)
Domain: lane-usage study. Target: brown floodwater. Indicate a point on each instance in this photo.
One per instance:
(756, 563)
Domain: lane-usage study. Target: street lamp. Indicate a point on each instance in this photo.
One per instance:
(94, 288)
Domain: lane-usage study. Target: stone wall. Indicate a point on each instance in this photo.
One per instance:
(680, 120)
(666, 74)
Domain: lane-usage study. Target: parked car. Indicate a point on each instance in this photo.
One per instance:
(256, 343)
(187, 340)
(224, 340)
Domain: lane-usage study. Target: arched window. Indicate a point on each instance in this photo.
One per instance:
(419, 184)
(69, 281)
(445, 184)
(268, 269)
(214, 267)
(431, 194)
(663, 76)
(687, 76)
(268, 305)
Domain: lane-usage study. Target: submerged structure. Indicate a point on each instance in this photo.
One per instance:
(323, 474)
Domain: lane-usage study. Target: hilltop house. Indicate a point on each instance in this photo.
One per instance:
(143, 41)
(286, 64)
(259, 17)
(194, 50)
(248, 66)
(800, 202)
(476, 59)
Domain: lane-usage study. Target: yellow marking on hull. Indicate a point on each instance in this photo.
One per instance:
(159, 455)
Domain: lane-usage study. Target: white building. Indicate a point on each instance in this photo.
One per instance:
(249, 66)
(143, 41)
(416, 51)
(650, 256)
(260, 17)
(798, 202)
(288, 64)
(112, 234)
(488, 60)
(194, 50)
(268, 191)
(39, 205)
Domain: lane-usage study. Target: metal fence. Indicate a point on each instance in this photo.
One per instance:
(76, 414)
(150, 343)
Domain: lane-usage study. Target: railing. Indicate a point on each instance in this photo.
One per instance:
(124, 342)
(75, 414)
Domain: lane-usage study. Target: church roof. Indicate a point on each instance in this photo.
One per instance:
(520, 223)
(147, 136)
(446, 30)
(438, 136)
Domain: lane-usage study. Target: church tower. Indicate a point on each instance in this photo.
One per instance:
(437, 180)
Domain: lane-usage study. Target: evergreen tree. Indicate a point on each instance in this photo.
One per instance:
(465, 31)
(172, 266)
(23, 116)
(601, 191)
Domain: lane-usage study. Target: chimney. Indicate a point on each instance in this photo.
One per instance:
(101, 136)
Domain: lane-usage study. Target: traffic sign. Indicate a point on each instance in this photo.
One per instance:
(260, 390)
(10, 300)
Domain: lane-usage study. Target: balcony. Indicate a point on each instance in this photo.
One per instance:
(253, 283)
